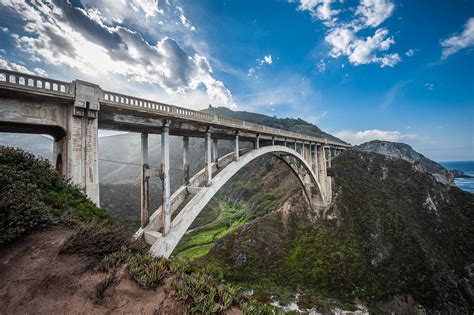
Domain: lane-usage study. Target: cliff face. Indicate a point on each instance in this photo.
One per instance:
(406, 152)
(393, 237)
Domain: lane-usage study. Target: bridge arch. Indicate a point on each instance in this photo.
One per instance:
(163, 245)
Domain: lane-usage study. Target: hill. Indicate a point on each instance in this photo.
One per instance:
(393, 239)
(406, 152)
(290, 124)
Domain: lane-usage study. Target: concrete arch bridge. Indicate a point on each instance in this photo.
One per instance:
(73, 112)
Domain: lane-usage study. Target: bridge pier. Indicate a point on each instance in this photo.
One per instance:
(303, 151)
(315, 161)
(322, 170)
(165, 177)
(185, 160)
(329, 178)
(208, 157)
(236, 146)
(215, 154)
(273, 140)
(76, 154)
(145, 183)
(257, 141)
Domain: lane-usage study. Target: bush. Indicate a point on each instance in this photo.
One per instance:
(33, 194)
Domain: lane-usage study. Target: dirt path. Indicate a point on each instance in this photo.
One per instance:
(35, 279)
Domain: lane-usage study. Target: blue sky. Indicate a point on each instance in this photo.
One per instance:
(362, 70)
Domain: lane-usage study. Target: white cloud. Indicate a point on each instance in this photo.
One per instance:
(362, 51)
(358, 137)
(4, 29)
(320, 9)
(321, 65)
(373, 12)
(6, 64)
(148, 7)
(184, 20)
(344, 38)
(61, 35)
(268, 59)
(261, 62)
(457, 42)
(429, 86)
(410, 52)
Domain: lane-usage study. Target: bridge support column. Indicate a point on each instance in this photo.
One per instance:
(208, 158)
(77, 153)
(145, 187)
(185, 160)
(285, 142)
(315, 161)
(295, 147)
(215, 154)
(303, 151)
(257, 141)
(273, 140)
(329, 179)
(236, 146)
(165, 177)
(310, 155)
(322, 171)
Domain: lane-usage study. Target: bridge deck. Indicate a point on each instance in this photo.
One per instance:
(130, 113)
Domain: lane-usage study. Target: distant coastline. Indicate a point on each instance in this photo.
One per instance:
(467, 167)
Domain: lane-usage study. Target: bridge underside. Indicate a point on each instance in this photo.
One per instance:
(127, 119)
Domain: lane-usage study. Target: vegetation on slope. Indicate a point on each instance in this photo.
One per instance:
(391, 231)
(212, 223)
(33, 196)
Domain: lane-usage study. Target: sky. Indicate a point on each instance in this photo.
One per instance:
(361, 70)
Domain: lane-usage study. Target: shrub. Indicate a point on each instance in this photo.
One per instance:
(32, 194)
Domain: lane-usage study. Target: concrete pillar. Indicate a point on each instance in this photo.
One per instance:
(273, 140)
(208, 157)
(236, 146)
(329, 157)
(322, 170)
(329, 179)
(310, 154)
(303, 151)
(77, 153)
(285, 142)
(315, 161)
(295, 147)
(165, 177)
(257, 141)
(185, 160)
(145, 187)
(215, 154)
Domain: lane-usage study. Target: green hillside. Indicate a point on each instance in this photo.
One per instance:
(290, 124)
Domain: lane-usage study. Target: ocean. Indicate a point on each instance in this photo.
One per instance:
(467, 167)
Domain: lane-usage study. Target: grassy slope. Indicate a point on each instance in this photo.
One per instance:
(381, 238)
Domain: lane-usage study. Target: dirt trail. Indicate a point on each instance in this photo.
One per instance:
(36, 279)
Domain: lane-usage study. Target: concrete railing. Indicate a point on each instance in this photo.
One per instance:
(32, 82)
(22, 81)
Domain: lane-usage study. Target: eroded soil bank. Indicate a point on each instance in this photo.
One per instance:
(36, 278)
